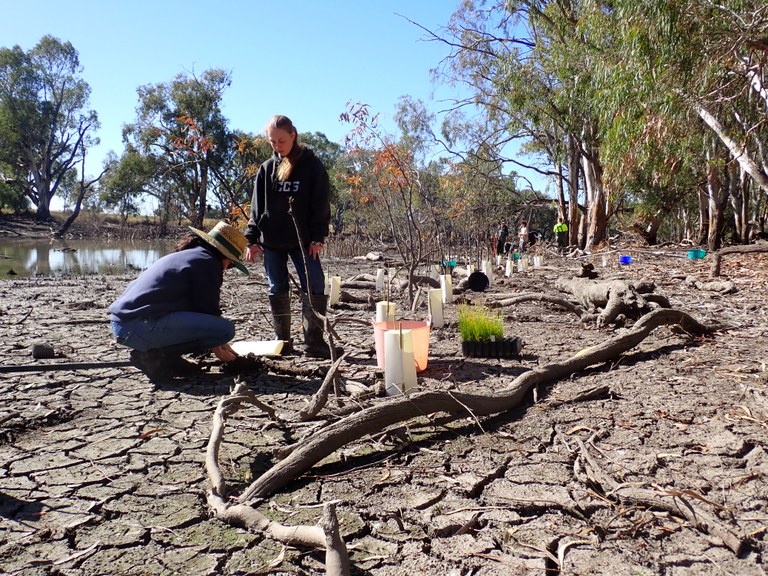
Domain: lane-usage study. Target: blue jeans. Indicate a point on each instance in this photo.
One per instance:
(276, 265)
(186, 332)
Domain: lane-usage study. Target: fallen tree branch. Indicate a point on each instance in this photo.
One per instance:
(64, 366)
(320, 398)
(376, 418)
(228, 405)
(416, 279)
(325, 536)
(727, 287)
(670, 500)
(290, 368)
(615, 297)
(717, 257)
(535, 297)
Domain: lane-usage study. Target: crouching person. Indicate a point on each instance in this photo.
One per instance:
(173, 308)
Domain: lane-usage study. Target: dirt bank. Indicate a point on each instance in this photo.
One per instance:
(101, 472)
(85, 226)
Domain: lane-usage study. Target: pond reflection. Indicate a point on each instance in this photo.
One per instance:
(48, 257)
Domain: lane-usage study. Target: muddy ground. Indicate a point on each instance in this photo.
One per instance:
(102, 472)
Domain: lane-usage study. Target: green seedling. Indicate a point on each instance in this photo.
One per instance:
(479, 324)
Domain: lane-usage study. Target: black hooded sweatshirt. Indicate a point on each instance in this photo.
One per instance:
(270, 224)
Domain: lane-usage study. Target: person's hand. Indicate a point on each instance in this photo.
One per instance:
(251, 251)
(314, 249)
(224, 353)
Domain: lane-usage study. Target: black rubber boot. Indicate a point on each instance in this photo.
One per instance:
(315, 344)
(154, 364)
(162, 364)
(174, 357)
(281, 316)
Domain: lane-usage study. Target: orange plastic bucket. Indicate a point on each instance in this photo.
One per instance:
(419, 332)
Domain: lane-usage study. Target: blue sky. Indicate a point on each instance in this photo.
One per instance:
(304, 58)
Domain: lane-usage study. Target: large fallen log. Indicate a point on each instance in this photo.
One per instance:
(377, 418)
(615, 297)
(717, 257)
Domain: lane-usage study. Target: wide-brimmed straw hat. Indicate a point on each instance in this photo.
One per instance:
(228, 240)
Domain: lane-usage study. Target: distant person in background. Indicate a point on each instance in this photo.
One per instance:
(561, 232)
(173, 307)
(523, 235)
(290, 216)
(501, 238)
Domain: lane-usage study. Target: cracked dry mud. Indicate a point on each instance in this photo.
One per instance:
(101, 472)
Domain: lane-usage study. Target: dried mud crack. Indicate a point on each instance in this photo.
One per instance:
(653, 462)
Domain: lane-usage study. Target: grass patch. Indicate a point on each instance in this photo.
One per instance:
(479, 324)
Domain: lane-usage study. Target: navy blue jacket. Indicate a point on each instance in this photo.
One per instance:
(270, 224)
(186, 281)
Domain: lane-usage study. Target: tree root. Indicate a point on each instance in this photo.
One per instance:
(376, 418)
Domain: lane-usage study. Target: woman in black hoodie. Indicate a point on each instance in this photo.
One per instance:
(290, 214)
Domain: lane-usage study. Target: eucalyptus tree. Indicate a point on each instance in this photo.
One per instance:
(129, 179)
(232, 183)
(529, 66)
(45, 126)
(674, 63)
(181, 128)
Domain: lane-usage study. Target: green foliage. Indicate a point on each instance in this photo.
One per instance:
(10, 199)
(45, 127)
(479, 324)
(181, 129)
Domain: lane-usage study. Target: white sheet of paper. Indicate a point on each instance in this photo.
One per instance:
(257, 347)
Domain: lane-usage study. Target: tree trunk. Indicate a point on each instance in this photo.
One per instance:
(703, 231)
(739, 197)
(203, 200)
(84, 187)
(41, 199)
(737, 149)
(561, 209)
(597, 222)
(717, 196)
(573, 192)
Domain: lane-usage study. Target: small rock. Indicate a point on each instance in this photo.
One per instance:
(43, 351)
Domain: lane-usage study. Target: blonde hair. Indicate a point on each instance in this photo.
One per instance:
(284, 123)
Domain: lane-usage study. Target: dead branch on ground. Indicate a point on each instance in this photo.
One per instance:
(240, 395)
(682, 503)
(536, 297)
(320, 398)
(721, 287)
(717, 257)
(325, 536)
